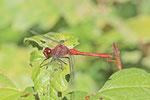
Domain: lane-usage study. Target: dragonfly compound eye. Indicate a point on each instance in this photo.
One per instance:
(47, 52)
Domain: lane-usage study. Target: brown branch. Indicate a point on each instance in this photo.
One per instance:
(117, 52)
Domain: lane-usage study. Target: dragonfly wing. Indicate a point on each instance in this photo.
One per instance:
(50, 36)
(71, 64)
(71, 67)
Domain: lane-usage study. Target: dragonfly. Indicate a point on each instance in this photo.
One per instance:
(60, 51)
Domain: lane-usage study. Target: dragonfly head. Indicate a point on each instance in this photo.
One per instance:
(47, 52)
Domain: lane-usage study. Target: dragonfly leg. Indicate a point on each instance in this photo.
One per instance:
(61, 63)
(43, 62)
(47, 63)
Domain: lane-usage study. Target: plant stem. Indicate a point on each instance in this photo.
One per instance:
(117, 52)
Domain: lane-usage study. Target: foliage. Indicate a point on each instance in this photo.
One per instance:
(97, 24)
(50, 82)
(128, 84)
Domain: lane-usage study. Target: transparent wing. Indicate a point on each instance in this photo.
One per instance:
(71, 64)
(51, 36)
(72, 75)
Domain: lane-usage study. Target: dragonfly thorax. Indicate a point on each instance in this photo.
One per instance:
(60, 50)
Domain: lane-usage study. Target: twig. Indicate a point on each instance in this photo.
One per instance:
(118, 61)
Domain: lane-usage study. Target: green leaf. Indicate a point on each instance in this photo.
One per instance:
(40, 41)
(36, 41)
(128, 84)
(69, 40)
(76, 95)
(5, 82)
(50, 80)
(29, 89)
(9, 94)
(28, 94)
(35, 57)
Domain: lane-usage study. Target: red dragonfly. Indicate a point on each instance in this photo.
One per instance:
(61, 51)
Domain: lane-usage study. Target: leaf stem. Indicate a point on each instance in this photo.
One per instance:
(117, 52)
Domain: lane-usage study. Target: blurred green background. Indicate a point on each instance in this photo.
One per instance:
(97, 24)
